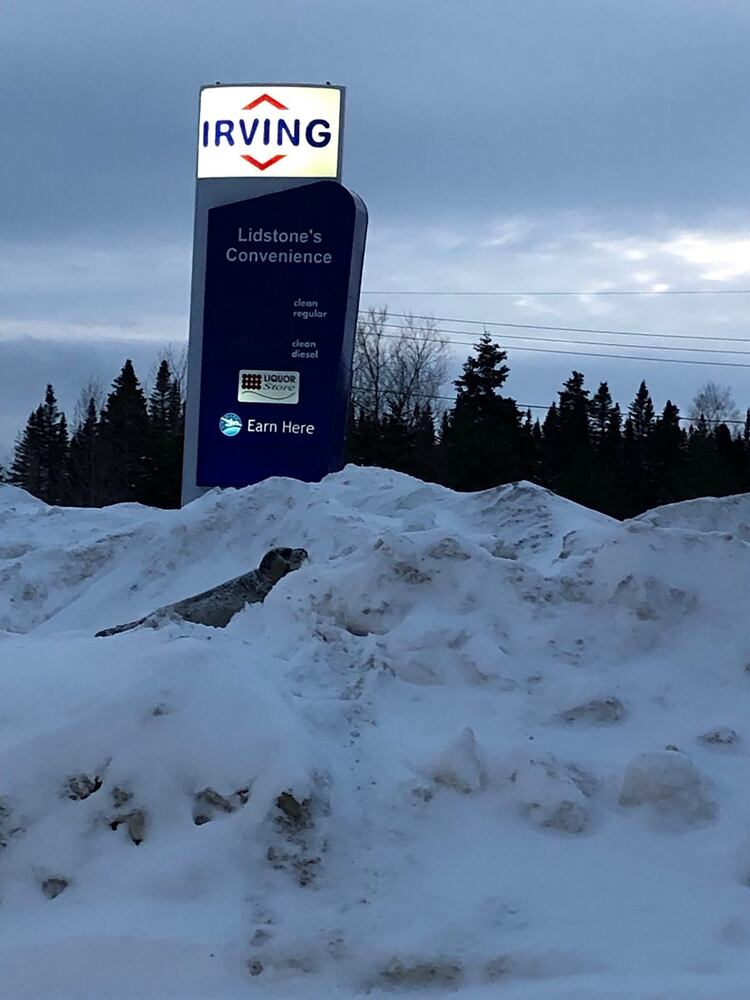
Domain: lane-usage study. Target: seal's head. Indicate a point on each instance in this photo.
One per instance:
(278, 562)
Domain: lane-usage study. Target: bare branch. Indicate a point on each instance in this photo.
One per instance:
(397, 369)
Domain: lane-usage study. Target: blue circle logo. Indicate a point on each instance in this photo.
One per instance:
(230, 424)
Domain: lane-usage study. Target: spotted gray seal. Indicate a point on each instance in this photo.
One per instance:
(220, 604)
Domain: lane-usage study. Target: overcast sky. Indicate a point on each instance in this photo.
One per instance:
(517, 145)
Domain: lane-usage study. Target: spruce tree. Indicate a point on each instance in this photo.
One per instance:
(610, 458)
(537, 450)
(701, 461)
(85, 485)
(394, 442)
(551, 454)
(529, 448)
(729, 477)
(606, 442)
(642, 417)
(575, 479)
(600, 411)
(163, 458)
(442, 474)
(630, 500)
(423, 457)
(41, 458)
(362, 440)
(483, 436)
(641, 413)
(124, 440)
(668, 457)
(60, 464)
(25, 470)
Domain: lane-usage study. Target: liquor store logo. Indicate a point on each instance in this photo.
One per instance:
(256, 386)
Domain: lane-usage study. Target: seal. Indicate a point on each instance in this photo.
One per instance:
(217, 606)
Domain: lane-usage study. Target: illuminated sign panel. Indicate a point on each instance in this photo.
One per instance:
(278, 335)
(269, 131)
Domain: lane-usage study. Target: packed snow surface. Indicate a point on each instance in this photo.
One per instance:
(493, 745)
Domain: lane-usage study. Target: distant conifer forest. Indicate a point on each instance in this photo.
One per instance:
(126, 445)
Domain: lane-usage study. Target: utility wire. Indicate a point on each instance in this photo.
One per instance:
(558, 329)
(582, 354)
(589, 343)
(521, 406)
(639, 291)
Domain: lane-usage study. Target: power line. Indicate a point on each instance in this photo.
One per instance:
(521, 406)
(586, 354)
(589, 343)
(638, 291)
(561, 329)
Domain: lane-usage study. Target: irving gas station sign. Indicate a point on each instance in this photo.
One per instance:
(277, 131)
(277, 263)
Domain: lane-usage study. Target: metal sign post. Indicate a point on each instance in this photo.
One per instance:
(277, 264)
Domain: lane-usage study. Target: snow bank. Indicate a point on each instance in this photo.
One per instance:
(476, 741)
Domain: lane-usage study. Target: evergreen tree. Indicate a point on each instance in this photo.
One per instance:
(611, 446)
(163, 456)
(606, 435)
(363, 437)
(25, 470)
(642, 417)
(60, 463)
(537, 449)
(641, 413)
(701, 461)
(575, 479)
(551, 461)
(41, 458)
(393, 443)
(668, 457)
(423, 459)
(630, 501)
(483, 437)
(730, 462)
(530, 449)
(54, 442)
(85, 487)
(600, 411)
(442, 449)
(124, 440)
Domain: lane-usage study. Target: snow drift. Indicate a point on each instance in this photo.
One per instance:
(490, 743)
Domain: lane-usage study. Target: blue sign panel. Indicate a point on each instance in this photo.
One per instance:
(281, 290)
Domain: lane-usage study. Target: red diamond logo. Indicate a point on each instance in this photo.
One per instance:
(265, 97)
(266, 163)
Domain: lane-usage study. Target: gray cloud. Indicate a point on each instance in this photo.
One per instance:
(453, 107)
(498, 144)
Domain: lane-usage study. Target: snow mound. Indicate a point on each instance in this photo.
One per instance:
(672, 784)
(459, 765)
(442, 755)
(552, 795)
(727, 515)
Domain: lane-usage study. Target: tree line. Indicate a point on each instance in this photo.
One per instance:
(585, 448)
(128, 447)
